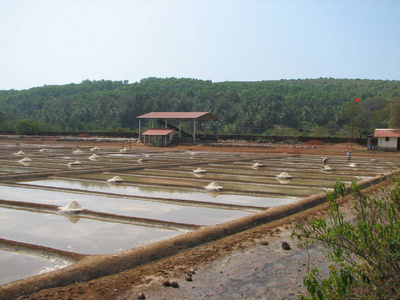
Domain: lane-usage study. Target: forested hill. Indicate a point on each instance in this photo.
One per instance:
(321, 106)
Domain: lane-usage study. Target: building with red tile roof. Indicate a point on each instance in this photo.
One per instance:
(192, 117)
(158, 136)
(388, 139)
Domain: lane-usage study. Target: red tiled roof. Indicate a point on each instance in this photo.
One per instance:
(158, 132)
(196, 115)
(387, 133)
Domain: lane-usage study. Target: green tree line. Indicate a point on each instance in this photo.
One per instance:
(309, 107)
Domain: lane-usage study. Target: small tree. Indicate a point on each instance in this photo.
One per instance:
(365, 254)
(27, 126)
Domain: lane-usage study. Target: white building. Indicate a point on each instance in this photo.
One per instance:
(388, 139)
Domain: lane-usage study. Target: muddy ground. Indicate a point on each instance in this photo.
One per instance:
(248, 265)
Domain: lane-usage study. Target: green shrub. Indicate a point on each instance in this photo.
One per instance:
(364, 253)
(27, 126)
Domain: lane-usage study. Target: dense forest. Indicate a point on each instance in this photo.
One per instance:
(309, 107)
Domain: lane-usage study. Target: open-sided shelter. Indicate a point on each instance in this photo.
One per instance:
(179, 116)
(158, 137)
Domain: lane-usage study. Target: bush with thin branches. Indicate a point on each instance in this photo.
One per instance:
(364, 252)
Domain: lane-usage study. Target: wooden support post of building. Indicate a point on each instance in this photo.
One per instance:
(140, 121)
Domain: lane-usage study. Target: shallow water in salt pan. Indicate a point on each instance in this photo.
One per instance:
(166, 193)
(16, 265)
(80, 235)
(124, 206)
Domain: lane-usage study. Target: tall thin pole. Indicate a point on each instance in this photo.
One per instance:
(352, 132)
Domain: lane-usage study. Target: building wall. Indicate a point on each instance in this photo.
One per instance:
(159, 140)
(391, 144)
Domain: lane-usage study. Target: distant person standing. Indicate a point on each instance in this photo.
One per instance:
(348, 157)
(325, 161)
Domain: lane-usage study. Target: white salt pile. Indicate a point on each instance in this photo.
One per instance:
(213, 186)
(94, 157)
(140, 160)
(115, 179)
(353, 165)
(283, 181)
(25, 159)
(75, 163)
(78, 151)
(43, 150)
(72, 207)
(257, 165)
(20, 153)
(327, 168)
(123, 150)
(199, 170)
(284, 175)
(94, 148)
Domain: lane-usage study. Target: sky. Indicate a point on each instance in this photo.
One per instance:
(47, 42)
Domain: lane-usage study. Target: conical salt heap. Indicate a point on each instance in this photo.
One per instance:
(213, 186)
(327, 168)
(94, 148)
(123, 150)
(140, 160)
(284, 175)
(283, 180)
(257, 165)
(93, 157)
(199, 170)
(43, 150)
(20, 153)
(353, 165)
(115, 179)
(25, 159)
(78, 151)
(72, 207)
(74, 163)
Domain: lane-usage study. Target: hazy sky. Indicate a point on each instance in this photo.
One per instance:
(64, 41)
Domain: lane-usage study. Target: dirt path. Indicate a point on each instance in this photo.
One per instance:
(246, 265)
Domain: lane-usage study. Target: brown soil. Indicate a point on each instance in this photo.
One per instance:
(249, 264)
(314, 142)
